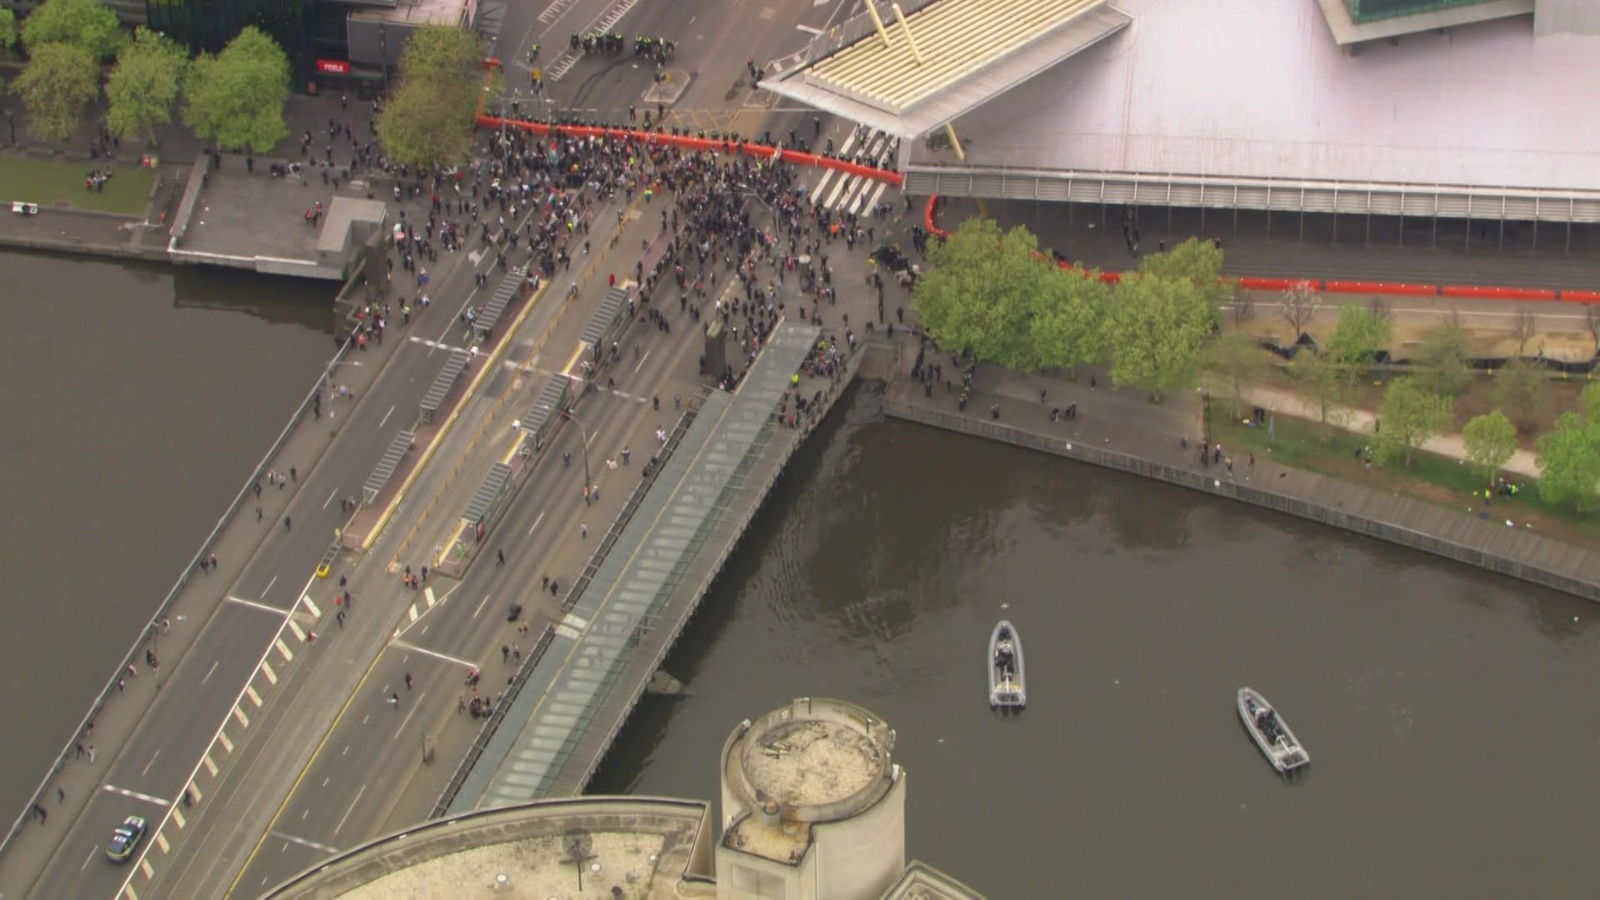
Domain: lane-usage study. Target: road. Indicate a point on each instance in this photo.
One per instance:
(303, 741)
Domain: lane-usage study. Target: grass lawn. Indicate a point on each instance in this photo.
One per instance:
(50, 183)
(1447, 482)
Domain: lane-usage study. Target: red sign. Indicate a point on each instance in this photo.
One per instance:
(333, 67)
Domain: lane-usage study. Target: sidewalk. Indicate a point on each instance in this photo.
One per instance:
(1360, 421)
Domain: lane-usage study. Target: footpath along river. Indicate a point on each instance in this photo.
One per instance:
(137, 400)
(1449, 712)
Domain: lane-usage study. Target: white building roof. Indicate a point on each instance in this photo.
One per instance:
(1224, 89)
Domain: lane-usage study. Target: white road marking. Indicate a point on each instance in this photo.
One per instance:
(210, 766)
(92, 854)
(161, 839)
(266, 669)
(145, 867)
(261, 606)
(315, 612)
(331, 494)
(305, 843)
(269, 587)
(641, 362)
(178, 819)
(136, 795)
(530, 531)
(209, 671)
(283, 649)
(250, 691)
(427, 594)
(238, 713)
(298, 631)
(409, 713)
(352, 809)
(151, 762)
(385, 417)
(480, 606)
(435, 654)
(222, 738)
(808, 29)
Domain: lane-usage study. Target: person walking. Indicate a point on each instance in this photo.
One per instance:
(583, 530)
(288, 523)
(500, 557)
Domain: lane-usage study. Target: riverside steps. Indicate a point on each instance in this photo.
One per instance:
(646, 578)
(1120, 429)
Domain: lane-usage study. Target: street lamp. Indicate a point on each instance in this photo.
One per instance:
(584, 434)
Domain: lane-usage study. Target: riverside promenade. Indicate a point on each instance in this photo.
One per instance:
(1120, 429)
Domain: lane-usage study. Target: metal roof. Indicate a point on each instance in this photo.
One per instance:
(961, 54)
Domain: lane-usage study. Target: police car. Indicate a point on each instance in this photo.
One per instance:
(125, 838)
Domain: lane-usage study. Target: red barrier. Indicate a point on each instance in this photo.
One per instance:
(1580, 296)
(687, 142)
(1273, 284)
(1381, 287)
(927, 219)
(1497, 293)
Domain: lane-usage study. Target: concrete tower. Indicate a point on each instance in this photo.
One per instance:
(812, 806)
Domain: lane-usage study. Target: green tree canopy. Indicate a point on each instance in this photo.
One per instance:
(1236, 357)
(8, 30)
(980, 293)
(429, 119)
(89, 24)
(1569, 460)
(1321, 382)
(144, 85)
(237, 97)
(60, 80)
(1156, 328)
(1521, 387)
(1197, 261)
(1443, 364)
(1410, 415)
(1491, 440)
(1358, 337)
(1069, 320)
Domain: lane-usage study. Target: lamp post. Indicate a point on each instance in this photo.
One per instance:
(583, 433)
(11, 124)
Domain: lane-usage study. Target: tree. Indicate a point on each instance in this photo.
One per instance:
(1443, 364)
(88, 24)
(1591, 320)
(1491, 440)
(1322, 382)
(980, 291)
(1569, 462)
(144, 85)
(1244, 307)
(1069, 320)
(1410, 416)
(1524, 325)
(1300, 304)
(236, 97)
(1357, 338)
(1156, 328)
(60, 80)
(1236, 357)
(8, 31)
(429, 119)
(1521, 387)
(1196, 261)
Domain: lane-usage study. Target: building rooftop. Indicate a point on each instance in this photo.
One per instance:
(649, 847)
(418, 12)
(1487, 105)
(1346, 30)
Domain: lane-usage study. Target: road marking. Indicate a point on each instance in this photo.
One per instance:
(331, 494)
(530, 531)
(150, 763)
(385, 418)
(576, 621)
(315, 612)
(92, 854)
(809, 29)
(412, 612)
(409, 713)
(428, 594)
(222, 738)
(250, 691)
(261, 606)
(209, 671)
(210, 766)
(483, 601)
(136, 795)
(161, 839)
(554, 11)
(238, 713)
(567, 631)
(434, 653)
(437, 345)
(145, 867)
(269, 587)
(299, 632)
(577, 352)
(283, 649)
(305, 843)
(350, 810)
(641, 362)
(266, 669)
(178, 819)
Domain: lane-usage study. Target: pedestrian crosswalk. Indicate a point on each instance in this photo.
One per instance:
(856, 193)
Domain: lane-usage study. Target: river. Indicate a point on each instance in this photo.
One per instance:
(138, 399)
(1449, 712)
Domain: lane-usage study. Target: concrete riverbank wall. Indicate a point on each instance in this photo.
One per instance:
(1488, 543)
